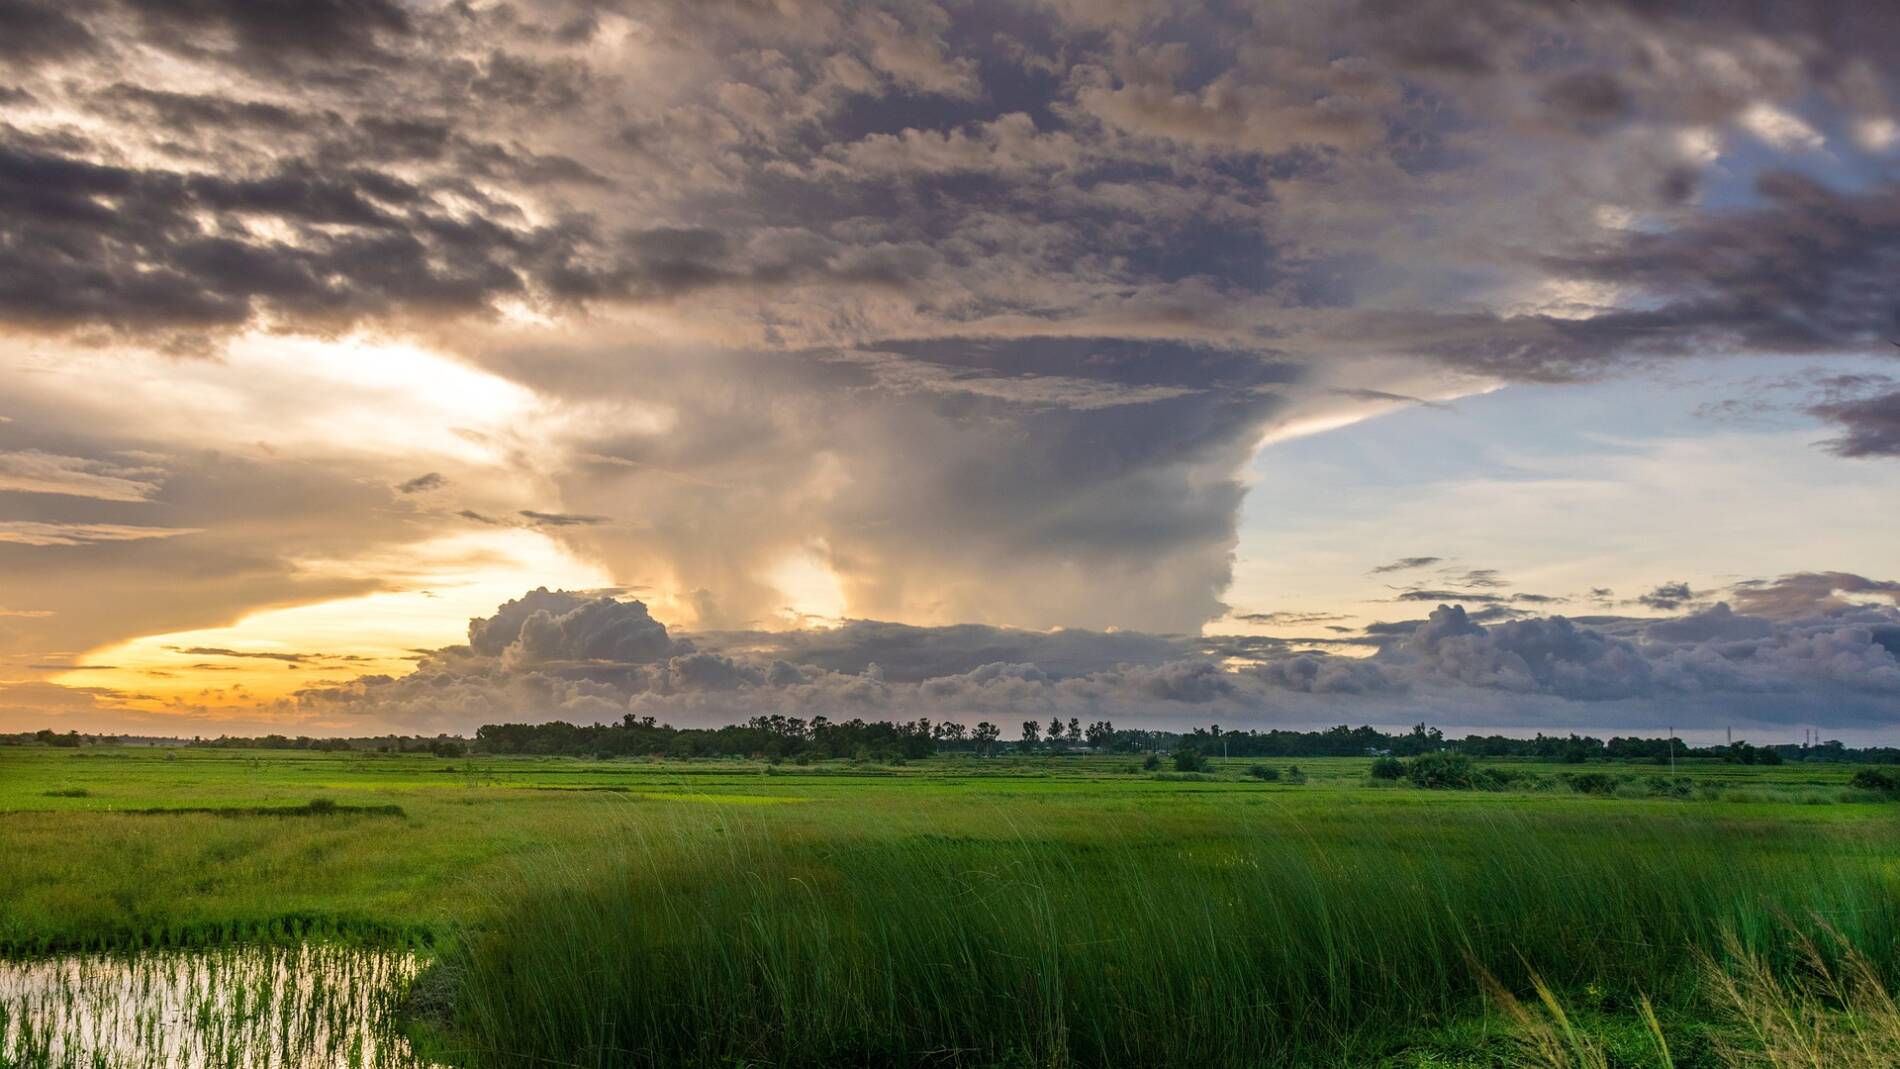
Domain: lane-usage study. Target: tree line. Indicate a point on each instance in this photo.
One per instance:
(783, 737)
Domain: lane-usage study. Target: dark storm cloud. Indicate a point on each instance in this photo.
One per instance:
(322, 28)
(1093, 483)
(1870, 425)
(85, 244)
(996, 165)
(556, 654)
(1806, 272)
(41, 31)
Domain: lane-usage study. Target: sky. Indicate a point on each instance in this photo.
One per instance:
(406, 365)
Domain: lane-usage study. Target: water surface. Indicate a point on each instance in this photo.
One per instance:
(308, 1007)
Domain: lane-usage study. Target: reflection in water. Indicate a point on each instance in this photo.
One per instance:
(242, 1007)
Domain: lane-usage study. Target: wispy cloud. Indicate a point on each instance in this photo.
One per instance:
(36, 533)
(32, 471)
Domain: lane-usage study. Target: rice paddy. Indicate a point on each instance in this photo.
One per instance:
(285, 909)
(244, 1007)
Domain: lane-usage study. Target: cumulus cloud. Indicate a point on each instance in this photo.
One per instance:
(556, 654)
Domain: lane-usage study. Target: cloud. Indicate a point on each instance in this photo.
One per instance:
(34, 32)
(1287, 617)
(561, 519)
(548, 626)
(960, 320)
(1871, 425)
(1810, 593)
(423, 483)
(1452, 595)
(36, 533)
(35, 472)
(1404, 564)
(1667, 596)
(556, 654)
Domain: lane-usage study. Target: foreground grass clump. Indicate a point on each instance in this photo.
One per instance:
(1834, 1010)
(717, 943)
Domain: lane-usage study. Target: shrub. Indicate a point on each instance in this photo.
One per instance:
(1190, 760)
(1294, 775)
(1591, 782)
(1874, 779)
(321, 805)
(1153, 763)
(68, 792)
(1664, 787)
(1388, 768)
(1262, 772)
(1441, 770)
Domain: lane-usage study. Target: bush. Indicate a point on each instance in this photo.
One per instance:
(1294, 775)
(1874, 779)
(1591, 782)
(1442, 770)
(1262, 772)
(1153, 763)
(1191, 760)
(321, 805)
(1388, 768)
(1664, 787)
(68, 792)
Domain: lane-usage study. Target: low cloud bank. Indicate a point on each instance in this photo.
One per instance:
(561, 655)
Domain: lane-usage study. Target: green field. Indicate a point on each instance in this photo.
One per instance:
(962, 911)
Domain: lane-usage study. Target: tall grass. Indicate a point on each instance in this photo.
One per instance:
(726, 942)
(252, 1007)
(1834, 1011)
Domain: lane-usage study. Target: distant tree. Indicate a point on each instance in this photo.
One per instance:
(1100, 734)
(1188, 759)
(1153, 762)
(1031, 733)
(1075, 730)
(985, 737)
(1054, 734)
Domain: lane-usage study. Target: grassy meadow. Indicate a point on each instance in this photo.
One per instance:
(985, 912)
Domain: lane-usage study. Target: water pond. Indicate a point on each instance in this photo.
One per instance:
(306, 1007)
